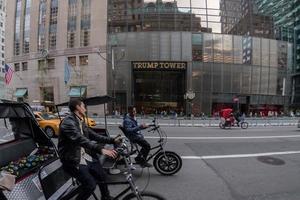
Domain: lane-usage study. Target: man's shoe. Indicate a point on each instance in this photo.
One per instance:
(138, 160)
(145, 164)
(108, 198)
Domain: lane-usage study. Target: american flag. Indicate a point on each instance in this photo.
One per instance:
(8, 74)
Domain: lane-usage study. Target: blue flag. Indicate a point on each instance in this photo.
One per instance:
(67, 74)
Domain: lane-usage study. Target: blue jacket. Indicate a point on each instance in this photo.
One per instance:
(132, 129)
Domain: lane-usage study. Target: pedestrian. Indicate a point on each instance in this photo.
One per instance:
(133, 133)
(77, 147)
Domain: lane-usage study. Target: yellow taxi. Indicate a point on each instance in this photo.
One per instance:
(50, 122)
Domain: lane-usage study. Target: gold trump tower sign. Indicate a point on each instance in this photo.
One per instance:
(158, 65)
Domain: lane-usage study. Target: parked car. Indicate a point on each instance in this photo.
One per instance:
(64, 112)
(50, 122)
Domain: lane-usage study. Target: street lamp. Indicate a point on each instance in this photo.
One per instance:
(115, 59)
(189, 96)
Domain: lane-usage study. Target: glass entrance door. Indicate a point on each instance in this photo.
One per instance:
(157, 91)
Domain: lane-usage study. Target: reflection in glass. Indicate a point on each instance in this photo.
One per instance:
(265, 52)
(208, 47)
(255, 82)
(273, 53)
(197, 43)
(264, 80)
(227, 49)
(256, 55)
(238, 49)
(218, 48)
(282, 54)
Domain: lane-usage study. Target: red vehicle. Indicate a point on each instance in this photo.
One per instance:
(228, 119)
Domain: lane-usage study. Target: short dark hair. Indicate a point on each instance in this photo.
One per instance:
(130, 108)
(73, 103)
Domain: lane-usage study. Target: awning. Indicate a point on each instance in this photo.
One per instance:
(77, 91)
(21, 92)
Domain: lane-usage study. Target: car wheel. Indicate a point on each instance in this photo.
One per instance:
(50, 132)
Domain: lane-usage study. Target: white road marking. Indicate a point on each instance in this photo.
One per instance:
(239, 155)
(227, 138)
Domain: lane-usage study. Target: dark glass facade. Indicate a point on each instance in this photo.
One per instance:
(215, 70)
(232, 48)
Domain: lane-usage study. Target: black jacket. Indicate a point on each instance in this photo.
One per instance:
(71, 140)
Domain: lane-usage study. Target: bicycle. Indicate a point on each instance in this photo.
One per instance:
(227, 123)
(165, 162)
(124, 152)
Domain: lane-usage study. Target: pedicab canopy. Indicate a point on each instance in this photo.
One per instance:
(24, 146)
(92, 101)
(226, 112)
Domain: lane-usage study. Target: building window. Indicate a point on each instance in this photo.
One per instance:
(51, 63)
(3, 40)
(83, 60)
(53, 24)
(24, 66)
(2, 47)
(47, 94)
(85, 23)
(71, 40)
(42, 25)
(17, 67)
(17, 28)
(72, 20)
(26, 27)
(85, 38)
(72, 60)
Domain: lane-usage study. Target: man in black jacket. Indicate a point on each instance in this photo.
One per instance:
(76, 143)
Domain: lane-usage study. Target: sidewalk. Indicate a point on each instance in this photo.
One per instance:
(198, 122)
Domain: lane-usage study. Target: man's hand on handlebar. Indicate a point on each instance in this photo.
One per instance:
(110, 153)
(118, 139)
(144, 126)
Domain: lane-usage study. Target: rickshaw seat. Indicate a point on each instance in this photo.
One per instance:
(15, 150)
(56, 183)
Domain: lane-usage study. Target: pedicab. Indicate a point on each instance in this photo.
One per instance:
(24, 148)
(228, 119)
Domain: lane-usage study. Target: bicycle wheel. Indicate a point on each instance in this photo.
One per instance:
(167, 163)
(221, 125)
(244, 125)
(144, 196)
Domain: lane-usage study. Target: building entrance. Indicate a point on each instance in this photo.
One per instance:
(158, 91)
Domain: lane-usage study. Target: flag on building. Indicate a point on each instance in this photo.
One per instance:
(8, 74)
(67, 74)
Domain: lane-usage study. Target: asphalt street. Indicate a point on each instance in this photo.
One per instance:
(253, 164)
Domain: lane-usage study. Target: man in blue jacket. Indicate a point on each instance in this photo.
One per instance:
(133, 133)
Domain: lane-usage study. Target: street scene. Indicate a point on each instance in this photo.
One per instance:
(149, 99)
